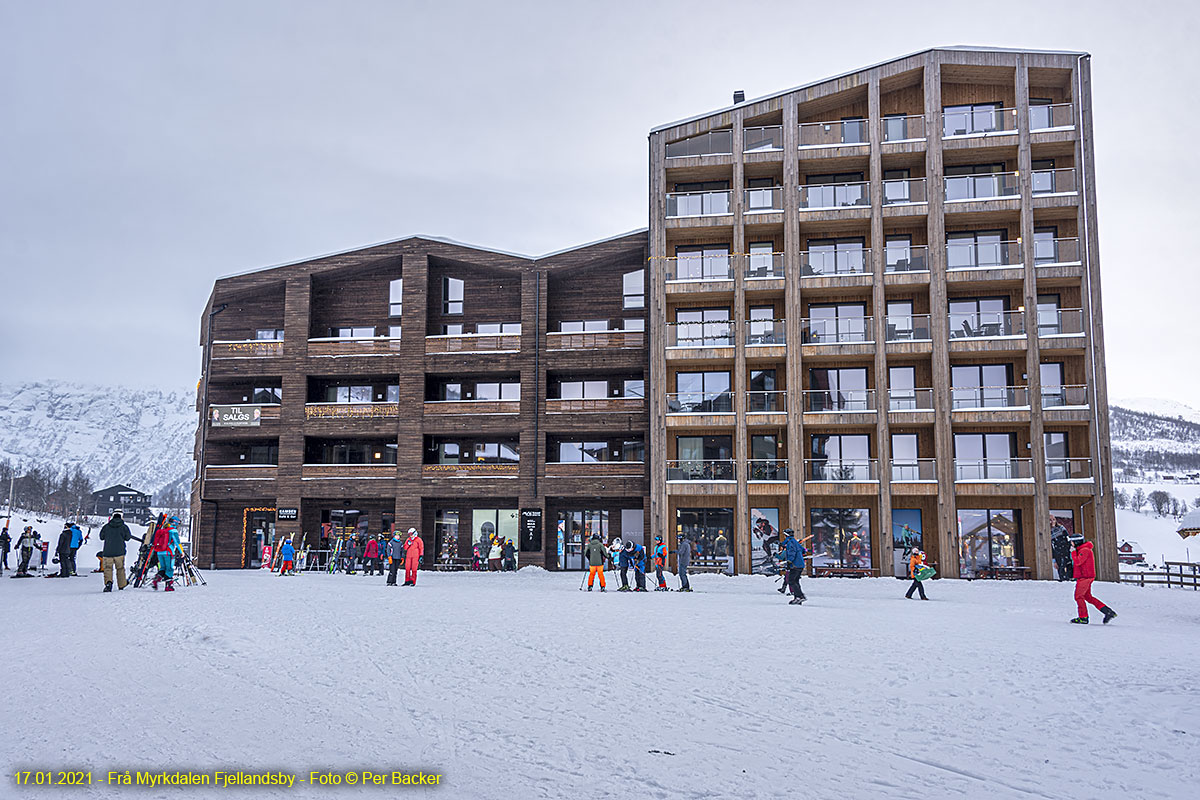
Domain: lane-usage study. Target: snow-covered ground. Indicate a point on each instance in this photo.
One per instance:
(1157, 537)
(519, 685)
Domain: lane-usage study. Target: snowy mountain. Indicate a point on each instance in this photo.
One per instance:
(1158, 407)
(1145, 442)
(116, 435)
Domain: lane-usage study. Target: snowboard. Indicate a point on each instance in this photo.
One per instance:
(924, 572)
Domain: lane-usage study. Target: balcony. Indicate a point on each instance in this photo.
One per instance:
(1053, 182)
(990, 186)
(765, 139)
(596, 340)
(987, 470)
(846, 470)
(240, 472)
(313, 472)
(699, 204)
(339, 347)
(978, 122)
(829, 263)
(987, 325)
(910, 399)
(909, 328)
(700, 403)
(696, 268)
(832, 196)
(1065, 397)
(713, 143)
(846, 330)
(1060, 116)
(711, 471)
(470, 470)
(905, 258)
(763, 200)
(473, 343)
(700, 334)
(1055, 252)
(440, 408)
(1062, 470)
(904, 191)
(982, 255)
(841, 133)
(1060, 322)
(761, 266)
(766, 333)
(595, 469)
(824, 401)
(247, 348)
(982, 398)
(596, 405)
(351, 410)
(767, 470)
(766, 402)
(899, 128)
(914, 470)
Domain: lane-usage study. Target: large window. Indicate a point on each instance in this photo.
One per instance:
(596, 450)
(470, 450)
(702, 458)
(836, 256)
(491, 524)
(498, 328)
(579, 387)
(984, 456)
(841, 322)
(761, 261)
(702, 393)
(396, 298)
(452, 295)
(575, 529)
(970, 249)
(1058, 454)
(835, 189)
(352, 390)
(1053, 392)
(970, 181)
(1045, 246)
(1049, 318)
(331, 451)
(352, 332)
(981, 386)
(633, 287)
(979, 316)
(269, 334)
(961, 120)
(445, 533)
(841, 457)
(900, 255)
(841, 537)
(698, 262)
(264, 453)
(711, 533)
(267, 395)
(762, 397)
(902, 389)
(843, 389)
(470, 389)
(583, 326)
(988, 538)
(905, 457)
(703, 327)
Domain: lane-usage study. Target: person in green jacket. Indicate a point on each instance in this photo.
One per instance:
(112, 557)
(596, 552)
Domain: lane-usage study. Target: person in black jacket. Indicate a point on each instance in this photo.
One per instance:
(5, 544)
(114, 534)
(1060, 550)
(63, 550)
(509, 553)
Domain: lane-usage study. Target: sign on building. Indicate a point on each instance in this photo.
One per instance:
(235, 416)
(531, 529)
(287, 514)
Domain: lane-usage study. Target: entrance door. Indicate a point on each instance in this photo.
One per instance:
(906, 537)
(260, 533)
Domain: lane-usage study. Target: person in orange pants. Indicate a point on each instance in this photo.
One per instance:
(596, 553)
(414, 549)
(1084, 562)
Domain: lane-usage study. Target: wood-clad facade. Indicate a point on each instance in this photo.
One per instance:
(875, 302)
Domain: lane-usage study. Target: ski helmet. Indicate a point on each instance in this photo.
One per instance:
(788, 532)
(1075, 539)
(629, 545)
(412, 530)
(658, 538)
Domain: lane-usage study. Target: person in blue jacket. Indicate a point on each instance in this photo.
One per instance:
(287, 558)
(76, 543)
(793, 561)
(635, 554)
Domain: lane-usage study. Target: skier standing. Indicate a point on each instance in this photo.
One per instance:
(1083, 562)
(793, 557)
(915, 562)
(660, 561)
(395, 553)
(5, 544)
(63, 550)
(509, 554)
(287, 558)
(637, 558)
(25, 546)
(371, 554)
(351, 555)
(683, 559)
(596, 553)
(166, 539)
(414, 549)
(495, 554)
(114, 534)
(76, 543)
(1060, 549)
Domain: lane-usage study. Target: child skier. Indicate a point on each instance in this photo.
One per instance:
(660, 562)
(596, 553)
(1083, 563)
(287, 558)
(414, 549)
(915, 562)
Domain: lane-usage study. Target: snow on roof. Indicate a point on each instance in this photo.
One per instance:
(1133, 546)
(1190, 524)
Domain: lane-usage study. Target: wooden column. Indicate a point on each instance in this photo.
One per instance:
(797, 506)
(656, 319)
(410, 424)
(741, 523)
(288, 486)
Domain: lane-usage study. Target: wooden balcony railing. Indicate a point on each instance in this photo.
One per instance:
(340, 348)
(450, 407)
(249, 348)
(351, 410)
(600, 469)
(470, 470)
(240, 472)
(474, 343)
(347, 471)
(622, 405)
(596, 340)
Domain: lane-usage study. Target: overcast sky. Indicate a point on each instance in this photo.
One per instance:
(147, 148)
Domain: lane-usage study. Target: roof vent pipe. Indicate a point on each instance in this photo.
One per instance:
(739, 97)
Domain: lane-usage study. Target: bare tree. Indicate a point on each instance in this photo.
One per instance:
(1160, 502)
(1138, 501)
(1121, 498)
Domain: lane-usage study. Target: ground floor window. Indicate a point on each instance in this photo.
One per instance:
(906, 537)
(988, 538)
(490, 527)
(575, 528)
(1062, 526)
(711, 532)
(445, 533)
(259, 533)
(841, 537)
(764, 541)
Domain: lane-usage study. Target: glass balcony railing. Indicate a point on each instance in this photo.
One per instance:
(982, 255)
(1060, 322)
(989, 186)
(768, 138)
(699, 204)
(764, 265)
(823, 263)
(899, 191)
(1053, 181)
(713, 143)
(909, 328)
(988, 397)
(977, 121)
(764, 200)
(1068, 469)
(766, 402)
(765, 332)
(699, 267)
(1048, 252)
(1044, 117)
(914, 470)
(700, 334)
(835, 195)
(910, 399)
(700, 403)
(986, 324)
(905, 258)
(899, 128)
(767, 469)
(1064, 396)
(1011, 469)
(844, 469)
(826, 401)
(833, 134)
(702, 470)
(841, 330)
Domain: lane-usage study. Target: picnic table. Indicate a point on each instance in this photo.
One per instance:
(830, 571)
(452, 564)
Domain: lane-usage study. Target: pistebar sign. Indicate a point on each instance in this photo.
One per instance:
(235, 416)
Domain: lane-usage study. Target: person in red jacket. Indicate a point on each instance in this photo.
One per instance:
(1084, 562)
(371, 555)
(414, 548)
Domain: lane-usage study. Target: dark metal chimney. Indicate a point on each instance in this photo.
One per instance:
(739, 97)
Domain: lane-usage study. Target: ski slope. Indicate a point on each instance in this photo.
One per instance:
(518, 684)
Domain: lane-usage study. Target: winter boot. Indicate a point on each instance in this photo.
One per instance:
(783, 589)
(687, 589)
(108, 586)
(603, 589)
(154, 583)
(796, 601)
(1080, 621)
(589, 588)
(170, 586)
(1109, 614)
